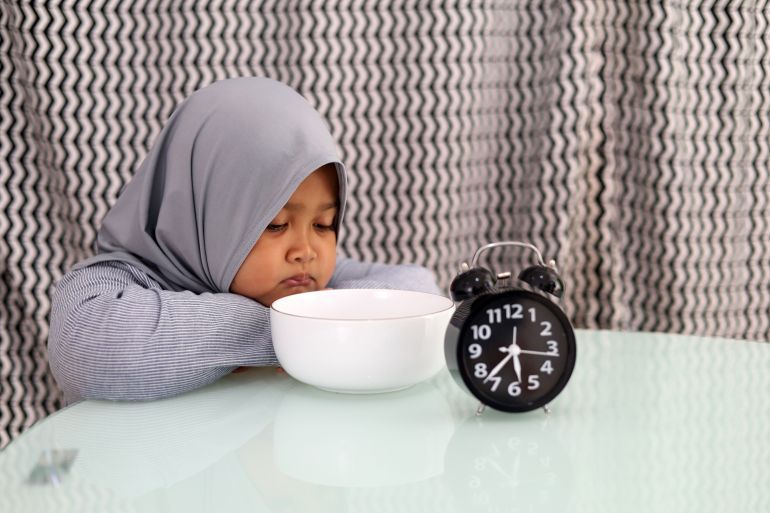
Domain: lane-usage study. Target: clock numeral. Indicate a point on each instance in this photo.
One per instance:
(534, 382)
(495, 315)
(532, 312)
(514, 389)
(513, 311)
(546, 367)
(553, 347)
(482, 332)
(480, 370)
(495, 382)
(546, 329)
(474, 350)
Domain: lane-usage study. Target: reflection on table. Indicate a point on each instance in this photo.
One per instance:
(648, 423)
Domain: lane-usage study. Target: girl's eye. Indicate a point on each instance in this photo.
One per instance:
(324, 227)
(275, 227)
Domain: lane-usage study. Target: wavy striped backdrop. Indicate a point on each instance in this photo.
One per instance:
(630, 141)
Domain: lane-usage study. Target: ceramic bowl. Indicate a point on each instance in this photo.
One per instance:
(361, 340)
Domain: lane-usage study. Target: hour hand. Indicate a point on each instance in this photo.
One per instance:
(517, 364)
(514, 349)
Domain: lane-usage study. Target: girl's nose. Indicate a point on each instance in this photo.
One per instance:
(301, 250)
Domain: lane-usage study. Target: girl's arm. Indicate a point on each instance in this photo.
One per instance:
(351, 274)
(115, 334)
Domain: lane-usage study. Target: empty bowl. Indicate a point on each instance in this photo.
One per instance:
(361, 340)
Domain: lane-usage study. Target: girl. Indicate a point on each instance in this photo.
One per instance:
(237, 204)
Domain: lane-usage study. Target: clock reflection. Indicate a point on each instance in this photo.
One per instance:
(497, 463)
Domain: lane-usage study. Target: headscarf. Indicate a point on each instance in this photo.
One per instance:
(229, 158)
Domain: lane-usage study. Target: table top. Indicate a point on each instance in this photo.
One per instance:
(648, 422)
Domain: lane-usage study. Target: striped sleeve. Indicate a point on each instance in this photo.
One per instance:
(352, 274)
(116, 334)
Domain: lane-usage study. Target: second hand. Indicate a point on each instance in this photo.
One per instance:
(525, 351)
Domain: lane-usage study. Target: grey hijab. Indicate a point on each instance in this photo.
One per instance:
(224, 165)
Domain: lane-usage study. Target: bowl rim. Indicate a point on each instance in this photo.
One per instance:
(450, 306)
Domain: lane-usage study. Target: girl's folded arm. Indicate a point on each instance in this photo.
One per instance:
(116, 335)
(352, 274)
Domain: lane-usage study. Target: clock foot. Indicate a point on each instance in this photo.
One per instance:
(480, 409)
(546, 409)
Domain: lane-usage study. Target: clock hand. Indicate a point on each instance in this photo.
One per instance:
(525, 351)
(517, 366)
(516, 362)
(499, 366)
(497, 467)
(513, 352)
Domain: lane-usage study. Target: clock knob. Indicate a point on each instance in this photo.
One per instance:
(544, 278)
(471, 283)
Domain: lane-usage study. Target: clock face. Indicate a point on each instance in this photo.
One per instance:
(516, 350)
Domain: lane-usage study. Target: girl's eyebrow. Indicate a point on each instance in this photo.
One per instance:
(300, 206)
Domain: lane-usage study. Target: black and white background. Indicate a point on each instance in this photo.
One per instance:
(629, 140)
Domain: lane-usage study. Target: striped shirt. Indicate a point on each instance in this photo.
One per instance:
(118, 334)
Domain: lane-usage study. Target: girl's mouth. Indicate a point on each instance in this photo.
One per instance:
(299, 280)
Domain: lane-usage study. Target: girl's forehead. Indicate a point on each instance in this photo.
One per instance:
(302, 205)
(318, 190)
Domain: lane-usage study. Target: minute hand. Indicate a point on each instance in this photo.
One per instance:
(499, 365)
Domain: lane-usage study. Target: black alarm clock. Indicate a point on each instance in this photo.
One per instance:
(508, 343)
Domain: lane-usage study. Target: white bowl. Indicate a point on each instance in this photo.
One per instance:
(361, 340)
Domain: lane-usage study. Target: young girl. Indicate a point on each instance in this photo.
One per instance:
(237, 204)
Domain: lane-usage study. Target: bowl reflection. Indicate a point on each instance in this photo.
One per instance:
(362, 440)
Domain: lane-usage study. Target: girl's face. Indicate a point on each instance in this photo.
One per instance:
(297, 251)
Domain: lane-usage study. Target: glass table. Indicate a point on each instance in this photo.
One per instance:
(649, 422)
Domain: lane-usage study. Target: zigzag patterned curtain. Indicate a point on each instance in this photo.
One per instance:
(630, 141)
